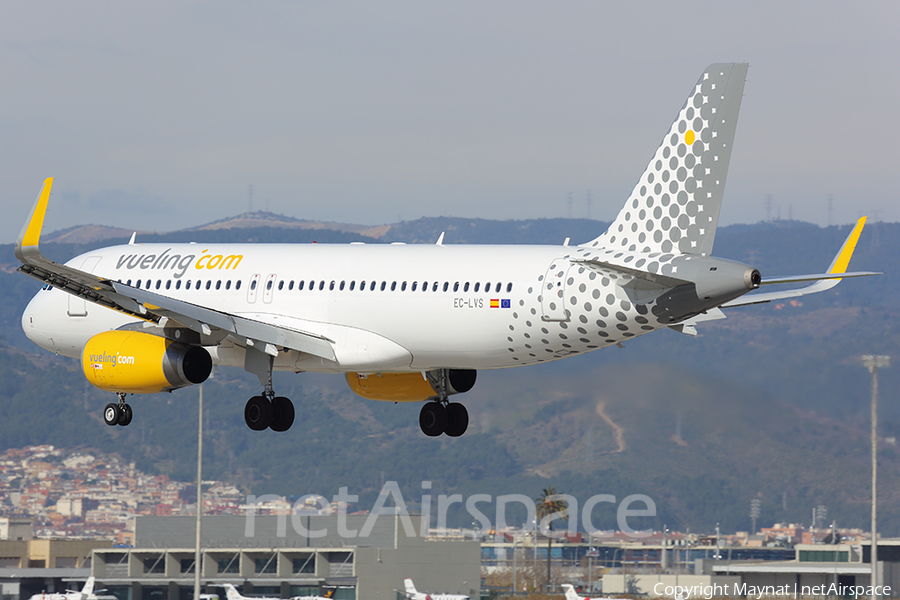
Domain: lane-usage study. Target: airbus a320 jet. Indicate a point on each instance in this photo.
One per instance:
(409, 322)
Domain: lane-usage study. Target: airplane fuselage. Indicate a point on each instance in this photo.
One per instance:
(397, 307)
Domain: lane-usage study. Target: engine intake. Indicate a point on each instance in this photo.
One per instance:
(141, 363)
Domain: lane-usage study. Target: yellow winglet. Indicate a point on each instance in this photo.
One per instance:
(839, 265)
(31, 232)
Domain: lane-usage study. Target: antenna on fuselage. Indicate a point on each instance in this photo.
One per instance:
(131, 241)
(440, 241)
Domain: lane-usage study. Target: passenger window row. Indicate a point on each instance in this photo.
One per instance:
(196, 285)
(384, 286)
(362, 286)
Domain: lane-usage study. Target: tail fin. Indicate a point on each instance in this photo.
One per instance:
(570, 592)
(675, 205)
(410, 588)
(230, 592)
(88, 588)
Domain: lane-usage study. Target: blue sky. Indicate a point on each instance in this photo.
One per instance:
(158, 117)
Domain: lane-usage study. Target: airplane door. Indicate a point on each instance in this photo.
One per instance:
(251, 289)
(553, 291)
(269, 289)
(78, 305)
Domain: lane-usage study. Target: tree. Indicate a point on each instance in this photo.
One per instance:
(550, 505)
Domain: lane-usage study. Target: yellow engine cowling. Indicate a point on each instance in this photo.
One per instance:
(141, 363)
(408, 387)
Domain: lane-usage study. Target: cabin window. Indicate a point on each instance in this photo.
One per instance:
(434, 286)
(269, 284)
(352, 285)
(228, 285)
(209, 284)
(383, 285)
(219, 284)
(372, 286)
(321, 285)
(342, 286)
(403, 287)
(476, 286)
(237, 284)
(331, 285)
(446, 285)
(252, 285)
(129, 282)
(280, 285)
(169, 284)
(508, 287)
(393, 286)
(456, 287)
(178, 285)
(138, 284)
(499, 285)
(291, 285)
(424, 286)
(414, 286)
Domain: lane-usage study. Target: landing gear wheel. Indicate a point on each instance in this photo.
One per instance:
(125, 415)
(457, 419)
(433, 419)
(282, 414)
(258, 413)
(111, 414)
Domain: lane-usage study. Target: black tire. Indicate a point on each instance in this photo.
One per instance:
(111, 414)
(125, 415)
(433, 419)
(457, 419)
(282, 414)
(258, 413)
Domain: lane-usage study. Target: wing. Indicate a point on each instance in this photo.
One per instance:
(212, 325)
(824, 281)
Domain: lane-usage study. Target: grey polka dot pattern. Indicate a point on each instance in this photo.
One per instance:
(615, 287)
(674, 208)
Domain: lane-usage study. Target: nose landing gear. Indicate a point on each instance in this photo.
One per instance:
(118, 414)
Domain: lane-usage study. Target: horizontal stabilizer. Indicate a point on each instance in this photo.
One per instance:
(825, 281)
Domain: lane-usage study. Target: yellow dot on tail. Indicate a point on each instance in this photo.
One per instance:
(689, 137)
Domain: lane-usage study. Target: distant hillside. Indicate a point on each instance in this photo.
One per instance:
(771, 402)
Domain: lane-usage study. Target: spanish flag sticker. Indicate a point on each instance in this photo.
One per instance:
(495, 303)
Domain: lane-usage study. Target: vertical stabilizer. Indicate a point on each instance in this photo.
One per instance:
(409, 587)
(88, 588)
(674, 208)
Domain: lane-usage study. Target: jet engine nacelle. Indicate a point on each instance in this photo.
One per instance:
(409, 387)
(141, 363)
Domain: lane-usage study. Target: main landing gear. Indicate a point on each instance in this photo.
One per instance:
(118, 414)
(266, 411)
(269, 412)
(441, 416)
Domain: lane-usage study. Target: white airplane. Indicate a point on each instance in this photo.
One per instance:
(231, 593)
(86, 593)
(571, 594)
(412, 594)
(402, 322)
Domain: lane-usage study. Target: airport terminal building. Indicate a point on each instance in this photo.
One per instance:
(271, 556)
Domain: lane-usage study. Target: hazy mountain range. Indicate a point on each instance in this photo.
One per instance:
(771, 402)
